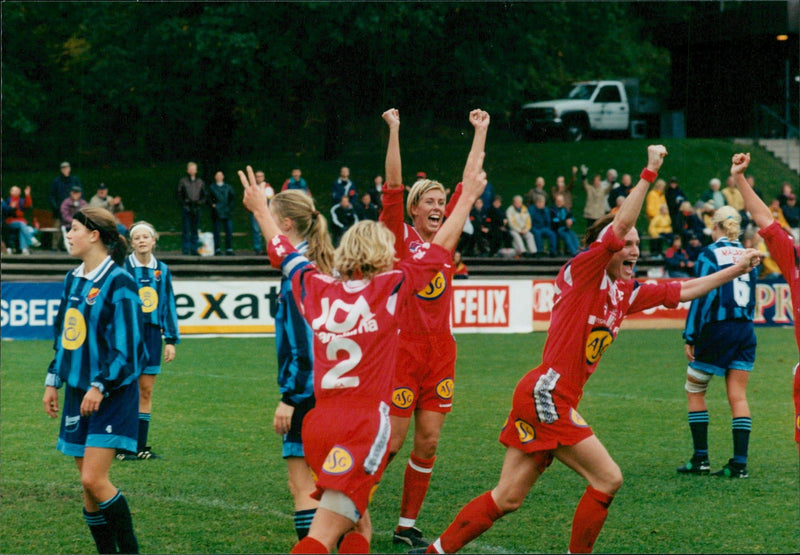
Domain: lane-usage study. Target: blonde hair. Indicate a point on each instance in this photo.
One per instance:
(660, 184)
(728, 220)
(365, 250)
(309, 223)
(146, 225)
(420, 188)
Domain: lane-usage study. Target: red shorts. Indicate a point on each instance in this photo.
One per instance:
(796, 395)
(543, 414)
(347, 448)
(425, 373)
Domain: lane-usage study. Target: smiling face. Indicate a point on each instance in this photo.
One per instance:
(428, 213)
(143, 241)
(621, 265)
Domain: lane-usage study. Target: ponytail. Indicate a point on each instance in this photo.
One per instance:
(309, 223)
(729, 221)
(320, 247)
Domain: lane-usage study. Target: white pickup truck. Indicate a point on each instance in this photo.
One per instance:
(592, 107)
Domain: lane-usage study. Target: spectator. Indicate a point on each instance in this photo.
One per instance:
(677, 259)
(496, 223)
(538, 189)
(596, 197)
(367, 209)
(419, 177)
(69, 207)
(752, 182)
(733, 197)
(617, 204)
(610, 182)
(221, 197)
(344, 186)
(675, 197)
(476, 244)
(191, 195)
(622, 189)
(14, 218)
(660, 228)
(519, 226)
(343, 217)
(786, 190)
(706, 215)
(376, 192)
(563, 188)
(791, 214)
(655, 198)
(713, 194)
(769, 269)
(460, 269)
(112, 204)
(487, 197)
(59, 191)
(296, 182)
(269, 192)
(693, 248)
(540, 227)
(561, 220)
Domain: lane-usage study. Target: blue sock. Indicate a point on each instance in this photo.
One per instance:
(118, 516)
(101, 532)
(698, 425)
(144, 428)
(741, 438)
(302, 522)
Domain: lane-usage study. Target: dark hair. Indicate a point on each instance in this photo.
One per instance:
(101, 220)
(593, 231)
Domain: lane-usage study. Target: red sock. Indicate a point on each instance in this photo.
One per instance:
(590, 515)
(354, 543)
(415, 486)
(309, 545)
(473, 520)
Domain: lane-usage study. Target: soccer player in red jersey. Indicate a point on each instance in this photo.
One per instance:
(423, 384)
(594, 292)
(354, 322)
(785, 253)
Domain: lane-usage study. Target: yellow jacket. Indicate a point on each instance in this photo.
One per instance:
(655, 198)
(733, 197)
(661, 223)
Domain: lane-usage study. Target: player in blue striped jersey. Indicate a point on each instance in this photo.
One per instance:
(99, 354)
(721, 341)
(307, 231)
(154, 282)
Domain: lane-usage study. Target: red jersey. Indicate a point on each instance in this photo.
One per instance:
(589, 307)
(787, 256)
(354, 322)
(428, 310)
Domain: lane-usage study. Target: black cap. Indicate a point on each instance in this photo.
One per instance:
(77, 188)
(102, 186)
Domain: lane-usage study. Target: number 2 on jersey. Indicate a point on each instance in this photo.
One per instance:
(334, 378)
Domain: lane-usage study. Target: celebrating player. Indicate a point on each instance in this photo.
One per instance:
(423, 384)
(160, 318)
(307, 231)
(355, 341)
(595, 290)
(783, 250)
(99, 354)
(721, 341)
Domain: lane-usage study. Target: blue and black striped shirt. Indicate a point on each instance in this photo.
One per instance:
(158, 299)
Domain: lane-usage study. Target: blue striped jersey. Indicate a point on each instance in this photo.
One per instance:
(154, 282)
(294, 342)
(735, 300)
(98, 330)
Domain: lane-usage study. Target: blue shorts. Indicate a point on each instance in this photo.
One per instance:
(152, 340)
(293, 440)
(725, 345)
(114, 426)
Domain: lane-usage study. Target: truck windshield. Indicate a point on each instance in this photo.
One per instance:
(582, 91)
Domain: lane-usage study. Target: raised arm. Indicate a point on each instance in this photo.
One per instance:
(694, 288)
(472, 184)
(626, 216)
(255, 200)
(761, 214)
(480, 121)
(394, 167)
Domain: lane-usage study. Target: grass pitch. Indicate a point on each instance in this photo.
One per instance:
(221, 487)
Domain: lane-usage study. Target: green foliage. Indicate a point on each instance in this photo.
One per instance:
(222, 486)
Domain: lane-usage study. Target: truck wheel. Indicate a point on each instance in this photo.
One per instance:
(575, 130)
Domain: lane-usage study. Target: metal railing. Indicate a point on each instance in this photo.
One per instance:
(769, 125)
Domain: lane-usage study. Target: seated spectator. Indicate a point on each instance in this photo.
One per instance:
(112, 204)
(565, 189)
(459, 268)
(541, 228)
(519, 226)
(617, 204)
(791, 213)
(376, 191)
(778, 214)
(677, 260)
(487, 197)
(496, 224)
(477, 242)
(675, 198)
(713, 194)
(538, 189)
(706, 215)
(221, 197)
(688, 220)
(768, 269)
(71, 205)
(343, 217)
(694, 246)
(343, 186)
(366, 209)
(13, 213)
(561, 221)
(786, 190)
(660, 229)
(655, 198)
(296, 182)
(733, 197)
(622, 189)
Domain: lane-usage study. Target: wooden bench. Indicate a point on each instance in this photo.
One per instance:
(47, 226)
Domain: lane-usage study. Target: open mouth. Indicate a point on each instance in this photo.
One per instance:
(629, 263)
(435, 219)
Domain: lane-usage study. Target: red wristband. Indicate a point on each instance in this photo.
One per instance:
(648, 175)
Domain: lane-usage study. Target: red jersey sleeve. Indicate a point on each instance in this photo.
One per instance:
(453, 200)
(588, 267)
(781, 248)
(392, 217)
(421, 267)
(649, 295)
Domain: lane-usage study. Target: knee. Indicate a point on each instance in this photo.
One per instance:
(507, 501)
(145, 394)
(92, 484)
(612, 481)
(425, 446)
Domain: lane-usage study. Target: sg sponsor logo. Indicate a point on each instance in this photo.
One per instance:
(338, 461)
(444, 389)
(74, 333)
(402, 397)
(577, 419)
(599, 340)
(525, 431)
(434, 289)
(149, 298)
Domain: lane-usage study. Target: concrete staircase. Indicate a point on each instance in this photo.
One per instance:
(786, 150)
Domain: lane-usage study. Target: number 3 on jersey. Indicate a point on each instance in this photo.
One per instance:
(333, 378)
